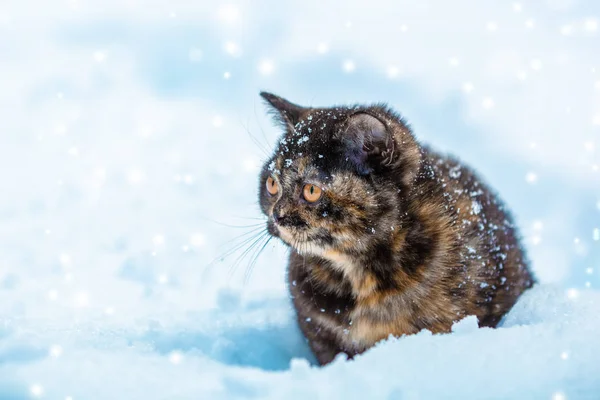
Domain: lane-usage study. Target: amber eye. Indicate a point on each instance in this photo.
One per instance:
(272, 186)
(312, 193)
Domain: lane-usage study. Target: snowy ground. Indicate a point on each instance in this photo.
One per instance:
(126, 158)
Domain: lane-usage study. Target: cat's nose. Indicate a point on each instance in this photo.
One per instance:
(278, 216)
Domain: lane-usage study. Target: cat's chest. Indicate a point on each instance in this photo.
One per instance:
(320, 295)
(327, 305)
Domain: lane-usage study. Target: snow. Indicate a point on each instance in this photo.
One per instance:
(131, 141)
(545, 346)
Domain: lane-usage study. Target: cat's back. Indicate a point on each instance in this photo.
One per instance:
(481, 230)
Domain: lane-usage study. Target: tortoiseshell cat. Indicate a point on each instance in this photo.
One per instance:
(386, 236)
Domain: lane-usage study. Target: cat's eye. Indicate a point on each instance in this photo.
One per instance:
(312, 193)
(272, 186)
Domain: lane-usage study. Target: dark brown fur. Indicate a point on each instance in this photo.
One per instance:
(403, 239)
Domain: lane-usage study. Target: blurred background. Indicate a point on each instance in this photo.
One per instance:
(132, 133)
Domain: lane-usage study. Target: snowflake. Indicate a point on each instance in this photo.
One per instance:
(36, 390)
(475, 207)
(455, 172)
(266, 67)
(349, 66)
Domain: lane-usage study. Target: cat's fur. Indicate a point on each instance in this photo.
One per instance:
(403, 238)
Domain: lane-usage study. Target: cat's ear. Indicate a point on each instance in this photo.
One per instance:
(284, 111)
(368, 142)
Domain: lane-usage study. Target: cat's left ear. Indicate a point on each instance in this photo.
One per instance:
(285, 111)
(368, 142)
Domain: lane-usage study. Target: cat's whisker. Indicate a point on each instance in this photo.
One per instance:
(254, 255)
(254, 260)
(256, 142)
(262, 131)
(214, 221)
(264, 219)
(252, 235)
(244, 226)
(252, 231)
(258, 239)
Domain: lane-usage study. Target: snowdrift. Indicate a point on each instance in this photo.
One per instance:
(546, 348)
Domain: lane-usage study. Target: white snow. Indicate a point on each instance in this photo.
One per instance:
(546, 345)
(129, 150)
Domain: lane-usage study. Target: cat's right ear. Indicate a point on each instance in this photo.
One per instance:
(284, 111)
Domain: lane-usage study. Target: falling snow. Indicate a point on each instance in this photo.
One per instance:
(131, 159)
(302, 140)
(475, 207)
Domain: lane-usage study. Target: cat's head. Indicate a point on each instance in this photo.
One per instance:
(337, 176)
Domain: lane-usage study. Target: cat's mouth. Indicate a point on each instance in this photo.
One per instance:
(284, 233)
(300, 240)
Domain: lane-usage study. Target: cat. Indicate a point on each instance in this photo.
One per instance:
(387, 236)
